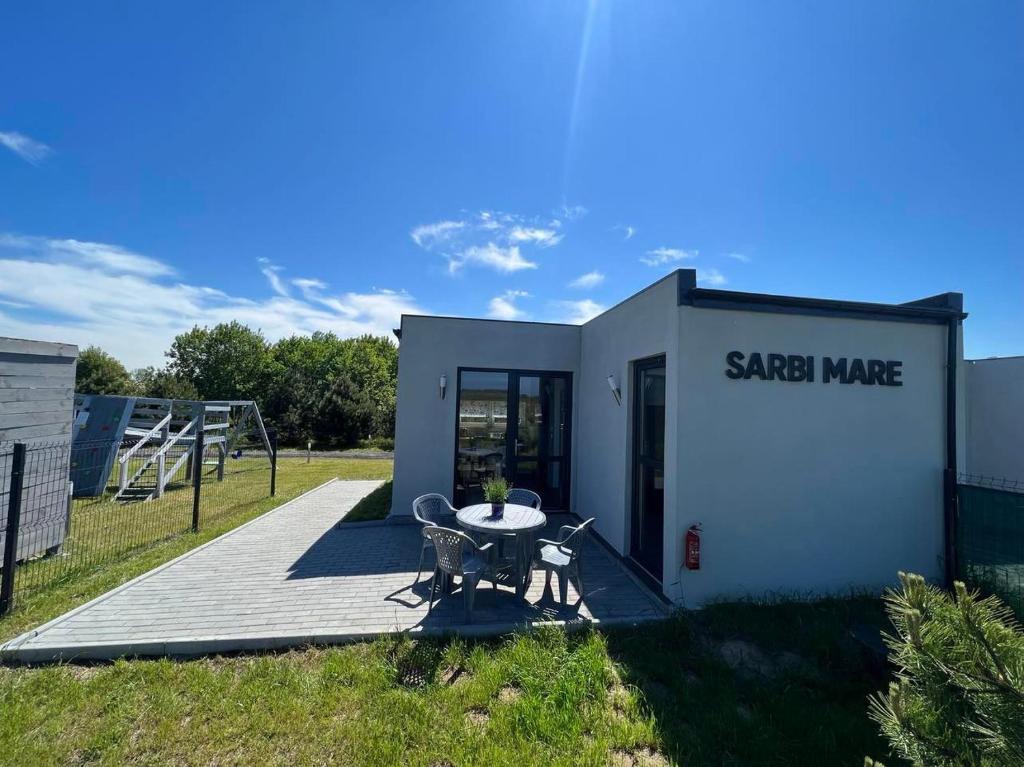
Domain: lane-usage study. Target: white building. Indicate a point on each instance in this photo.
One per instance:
(995, 418)
(808, 438)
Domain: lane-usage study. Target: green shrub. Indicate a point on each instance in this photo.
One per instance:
(958, 698)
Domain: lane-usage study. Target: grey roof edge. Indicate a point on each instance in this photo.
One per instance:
(675, 274)
(934, 309)
(28, 346)
(996, 359)
(939, 308)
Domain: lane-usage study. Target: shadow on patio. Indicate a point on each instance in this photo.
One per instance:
(381, 560)
(292, 578)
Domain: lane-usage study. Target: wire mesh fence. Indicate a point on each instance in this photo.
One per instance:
(990, 537)
(67, 508)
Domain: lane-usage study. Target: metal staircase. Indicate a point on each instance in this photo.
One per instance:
(163, 435)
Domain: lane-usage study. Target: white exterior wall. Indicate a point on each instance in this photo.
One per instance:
(644, 326)
(801, 488)
(807, 487)
(995, 417)
(425, 424)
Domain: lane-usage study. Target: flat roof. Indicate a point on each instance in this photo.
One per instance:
(938, 309)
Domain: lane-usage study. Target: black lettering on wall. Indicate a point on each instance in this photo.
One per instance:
(876, 372)
(857, 372)
(893, 371)
(755, 367)
(830, 370)
(735, 362)
(796, 368)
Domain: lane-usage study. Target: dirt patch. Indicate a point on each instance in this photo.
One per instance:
(744, 656)
(643, 757)
(478, 716)
(509, 694)
(83, 673)
(740, 655)
(453, 675)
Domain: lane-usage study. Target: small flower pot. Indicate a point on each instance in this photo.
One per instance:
(497, 510)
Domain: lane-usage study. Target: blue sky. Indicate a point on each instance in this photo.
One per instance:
(304, 166)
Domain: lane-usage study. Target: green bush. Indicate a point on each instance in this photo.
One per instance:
(958, 698)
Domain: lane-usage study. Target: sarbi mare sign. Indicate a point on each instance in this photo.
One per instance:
(804, 368)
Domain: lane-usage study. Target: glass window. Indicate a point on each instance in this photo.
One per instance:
(483, 423)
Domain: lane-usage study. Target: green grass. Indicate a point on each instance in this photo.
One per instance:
(375, 506)
(660, 693)
(83, 575)
(654, 694)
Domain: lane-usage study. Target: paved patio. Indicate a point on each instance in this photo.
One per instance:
(294, 577)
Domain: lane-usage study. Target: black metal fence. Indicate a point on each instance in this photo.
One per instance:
(67, 508)
(990, 537)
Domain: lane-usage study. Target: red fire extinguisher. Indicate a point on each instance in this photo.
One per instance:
(692, 547)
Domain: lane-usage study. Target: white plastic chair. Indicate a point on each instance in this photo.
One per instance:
(563, 556)
(524, 497)
(451, 547)
(431, 509)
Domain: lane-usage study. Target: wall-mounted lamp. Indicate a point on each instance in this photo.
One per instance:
(616, 391)
(443, 384)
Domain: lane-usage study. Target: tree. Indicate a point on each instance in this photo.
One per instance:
(227, 361)
(345, 413)
(163, 384)
(306, 368)
(958, 698)
(100, 373)
(372, 362)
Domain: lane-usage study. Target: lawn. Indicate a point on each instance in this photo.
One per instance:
(674, 692)
(741, 684)
(375, 506)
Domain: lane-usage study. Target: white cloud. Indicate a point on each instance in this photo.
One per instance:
(545, 238)
(744, 259)
(270, 271)
(571, 212)
(136, 316)
(663, 255)
(711, 277)
(588, 280)
(430, 235)
(305, 284)
(488, 238)
(506, 260)
(504, 307)
(578, 312)
(109, 258)
(26, 148)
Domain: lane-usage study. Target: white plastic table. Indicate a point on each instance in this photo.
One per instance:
(520, 521)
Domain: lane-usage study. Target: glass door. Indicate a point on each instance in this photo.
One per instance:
(648, 465)
(516, 425)
(539, 459)
(483, 432)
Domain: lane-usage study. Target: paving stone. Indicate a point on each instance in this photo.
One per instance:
(293, 577)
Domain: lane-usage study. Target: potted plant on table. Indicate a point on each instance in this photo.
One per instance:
(496, 492)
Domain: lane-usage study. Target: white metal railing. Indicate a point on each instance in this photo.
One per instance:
(123, 460)
(162, 478)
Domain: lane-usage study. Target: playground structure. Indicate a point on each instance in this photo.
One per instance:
(150, 442)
